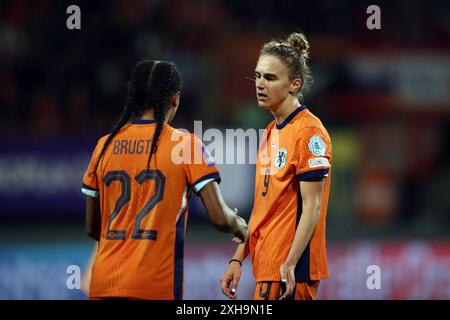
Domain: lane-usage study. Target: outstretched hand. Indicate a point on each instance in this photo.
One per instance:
(241, 229)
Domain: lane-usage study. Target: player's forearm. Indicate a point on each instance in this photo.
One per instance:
(93, 218)
(242, 251)
(94, 234)
(308, 221)
(231, 219)
(221, 216)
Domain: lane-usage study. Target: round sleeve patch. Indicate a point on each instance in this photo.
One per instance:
(208, 158)
(317, 146)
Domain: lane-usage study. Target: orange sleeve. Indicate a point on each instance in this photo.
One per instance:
(201, 169)
(313, 154)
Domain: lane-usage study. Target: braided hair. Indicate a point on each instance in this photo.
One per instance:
(152, 84)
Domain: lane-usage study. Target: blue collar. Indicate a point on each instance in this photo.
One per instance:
(290, 117)
(142, 121)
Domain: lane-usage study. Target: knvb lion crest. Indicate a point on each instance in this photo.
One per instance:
(280, 161)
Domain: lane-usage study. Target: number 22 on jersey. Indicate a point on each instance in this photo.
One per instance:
(125, 196)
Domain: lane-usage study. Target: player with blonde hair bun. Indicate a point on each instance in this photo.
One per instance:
(286, 238)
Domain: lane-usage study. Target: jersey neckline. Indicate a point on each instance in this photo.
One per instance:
(143, 121)
(290, 117)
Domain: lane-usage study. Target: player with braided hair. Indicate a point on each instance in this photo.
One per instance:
(137, 194)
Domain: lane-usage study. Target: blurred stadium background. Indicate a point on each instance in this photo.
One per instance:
(384, 96)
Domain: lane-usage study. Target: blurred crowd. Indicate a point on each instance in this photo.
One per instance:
(383, 94)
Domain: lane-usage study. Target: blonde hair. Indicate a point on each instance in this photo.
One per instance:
(294, 54)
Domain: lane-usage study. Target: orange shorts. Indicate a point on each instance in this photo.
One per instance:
(267, 290)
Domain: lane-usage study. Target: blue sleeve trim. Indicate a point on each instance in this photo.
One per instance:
(214, 176)
(313, 174)
(85, 186)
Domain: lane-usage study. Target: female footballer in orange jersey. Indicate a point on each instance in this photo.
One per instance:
(286, 238)
(137, 193)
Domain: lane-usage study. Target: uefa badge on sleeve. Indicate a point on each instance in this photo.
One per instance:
(317, 146)
(208, 157)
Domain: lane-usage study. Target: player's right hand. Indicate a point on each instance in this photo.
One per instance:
(241, 231)
(241, 227)
(230, 280)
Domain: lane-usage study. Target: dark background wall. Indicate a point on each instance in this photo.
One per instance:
(382, 94)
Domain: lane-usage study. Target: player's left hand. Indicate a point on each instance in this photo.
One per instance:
(288, 278)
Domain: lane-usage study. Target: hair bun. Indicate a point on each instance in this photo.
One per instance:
(300, 44)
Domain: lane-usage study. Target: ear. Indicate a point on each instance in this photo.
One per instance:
(175, 101)
(295, 86)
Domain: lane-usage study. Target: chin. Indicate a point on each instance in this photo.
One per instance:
(263, 105)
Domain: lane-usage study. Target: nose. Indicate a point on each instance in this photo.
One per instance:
(259, 84)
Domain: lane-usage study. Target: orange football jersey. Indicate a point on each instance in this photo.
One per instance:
(299, 149)
(144, 211)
